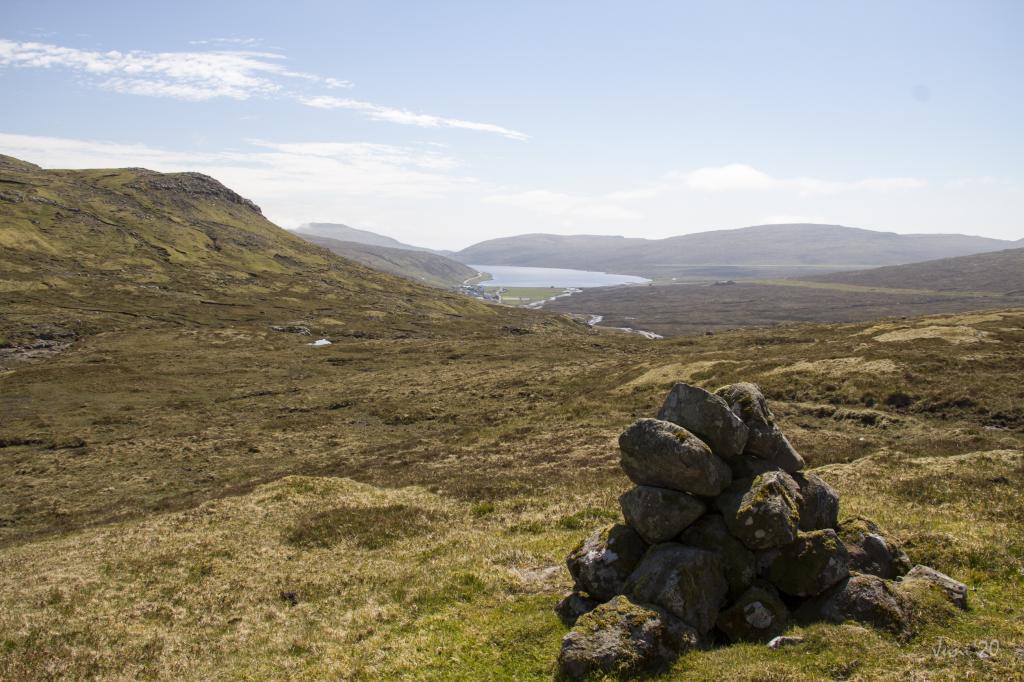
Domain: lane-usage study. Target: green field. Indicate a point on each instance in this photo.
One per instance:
(526, 295)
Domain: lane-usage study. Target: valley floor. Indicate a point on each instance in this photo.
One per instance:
(224, 500)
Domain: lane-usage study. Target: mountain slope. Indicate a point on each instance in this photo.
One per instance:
(344, 233)
(421, 266)
(998, 271)
(783, 249)
(128, 245)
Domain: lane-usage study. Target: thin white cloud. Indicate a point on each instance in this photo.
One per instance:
(743, 177)
(792, 220)
(404, 117)
(286, 179)
(206, 75)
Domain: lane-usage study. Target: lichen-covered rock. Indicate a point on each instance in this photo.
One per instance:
(659, 514)
(765, 439)
(602, 562)
(870, 550)
(621, 638)
(574, 605)
(687, 582)
(954, 590)
(708, 416)
(757, 615)
(816, 561)
(864, 598)
(762, 512)
(819, 502)
(711, 534)
(661, 454)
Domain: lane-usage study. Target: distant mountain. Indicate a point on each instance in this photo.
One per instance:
(421, 266)
(763, 250)
(997, 271)
(344, 233)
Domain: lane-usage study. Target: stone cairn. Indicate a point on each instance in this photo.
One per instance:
(726, 538)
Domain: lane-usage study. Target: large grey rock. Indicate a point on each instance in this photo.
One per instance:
(711, 534)
(706, 415)
(659, 514)
(762, 512)
(748, 466)
(819, 503)
(765, 439)
(687, 582)
(664, 455)
(574, 605)
(864, 598)
(870, 550)
(622, 638)
(602, 562)
(816, 561)
(954, 590)
(757, 615)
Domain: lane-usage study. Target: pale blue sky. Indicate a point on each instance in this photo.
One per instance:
(446, 123)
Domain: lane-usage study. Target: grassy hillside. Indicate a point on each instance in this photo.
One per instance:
(95, 249)
(761, 251)
(1000, 272)
(420, 266)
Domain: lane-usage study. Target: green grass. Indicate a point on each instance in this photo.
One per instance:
(525, 295)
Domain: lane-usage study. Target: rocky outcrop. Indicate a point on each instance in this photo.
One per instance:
(727, 538)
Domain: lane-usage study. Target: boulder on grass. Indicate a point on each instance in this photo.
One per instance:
(659, 514)
(954, 590)
(762, 512)
(685, 581)
(602, 562)
(819, 502)
(708, 416)
(661, 454)
(711, 534)
(870, 550)
(813, 563)
(865, 599)
(758, 615)
(765, 439)
(622, 638)
(574, 605)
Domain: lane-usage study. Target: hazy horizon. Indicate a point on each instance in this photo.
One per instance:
(447, 124)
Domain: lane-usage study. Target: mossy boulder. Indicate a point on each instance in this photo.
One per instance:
(765, 439)
(865, 599)
(711, 534)
(661, 454)
(687, 582)
(954, 591)
(622, 638)
(659, 514)
(757, 615)
(601, 563)
(762, 512)
(574, 605)
(870, 550)
(708, 416)
(819, 502)
(810, 565)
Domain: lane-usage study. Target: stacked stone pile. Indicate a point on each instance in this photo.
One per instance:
(726, 538)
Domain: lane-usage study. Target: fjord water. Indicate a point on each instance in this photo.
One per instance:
(518, 276)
